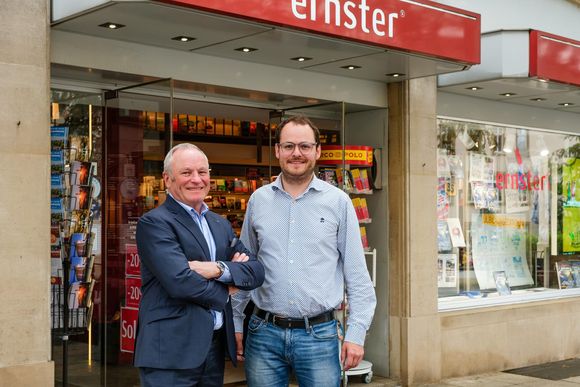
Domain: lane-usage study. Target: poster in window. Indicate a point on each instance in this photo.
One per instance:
(498, 243)
(570, 229)
(455, 232)
(447, 270)
(570, 181)
(443, 237)
(481, 168)
(442, 199)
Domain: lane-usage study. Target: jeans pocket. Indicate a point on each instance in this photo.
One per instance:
(325, 331)
(255, 324)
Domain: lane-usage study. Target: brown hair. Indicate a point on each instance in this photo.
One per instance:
(298, 120)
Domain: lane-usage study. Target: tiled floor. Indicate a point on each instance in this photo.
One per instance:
(557, 374)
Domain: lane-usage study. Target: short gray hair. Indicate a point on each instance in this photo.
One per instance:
(167, 163)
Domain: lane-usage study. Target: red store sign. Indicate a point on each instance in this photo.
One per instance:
(554, 58)
(418, 26)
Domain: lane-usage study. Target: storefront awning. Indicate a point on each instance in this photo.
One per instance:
(374, 40)
(526, 67)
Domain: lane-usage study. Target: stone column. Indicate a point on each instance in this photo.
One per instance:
(25, 194)
(414, 321)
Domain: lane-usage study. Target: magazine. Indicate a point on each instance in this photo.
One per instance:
(501, 283)
(565, 277)
(575, 267)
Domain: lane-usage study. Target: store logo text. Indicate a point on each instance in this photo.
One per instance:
(349, 15)
(520, 180)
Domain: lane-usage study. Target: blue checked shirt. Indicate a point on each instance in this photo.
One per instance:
(199, 218)
(310, 248)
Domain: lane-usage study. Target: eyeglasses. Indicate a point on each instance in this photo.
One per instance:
(304, 147)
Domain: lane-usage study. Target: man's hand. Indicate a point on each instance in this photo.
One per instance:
(232, 290)
(240, 346)
(240, 257)
(351, 355)
(209, 270)
(206, 269)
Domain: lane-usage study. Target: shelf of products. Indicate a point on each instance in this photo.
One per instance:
(353, 178)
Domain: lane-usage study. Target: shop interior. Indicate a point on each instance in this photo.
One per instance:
(122, 136)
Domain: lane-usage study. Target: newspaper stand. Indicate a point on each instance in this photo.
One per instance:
(74, 236)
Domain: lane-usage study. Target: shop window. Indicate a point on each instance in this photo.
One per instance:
(508, 212)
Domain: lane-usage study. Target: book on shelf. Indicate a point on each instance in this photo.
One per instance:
(357, 181)
(357, 208)
(501, 283)
(565, 276)
(344, 179)
(364, 239)
(329, 176)
(364, 210)
(364, 176)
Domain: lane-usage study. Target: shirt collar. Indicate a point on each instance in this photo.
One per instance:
(315, 184)
(204, 207)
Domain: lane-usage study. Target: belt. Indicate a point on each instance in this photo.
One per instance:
(290, 323)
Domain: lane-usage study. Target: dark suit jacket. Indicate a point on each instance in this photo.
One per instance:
(175, 324)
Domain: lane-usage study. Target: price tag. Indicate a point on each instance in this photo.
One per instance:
(132, 291)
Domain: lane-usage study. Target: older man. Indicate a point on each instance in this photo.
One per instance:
(191, 263)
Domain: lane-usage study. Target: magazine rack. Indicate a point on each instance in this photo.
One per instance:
(71, 240)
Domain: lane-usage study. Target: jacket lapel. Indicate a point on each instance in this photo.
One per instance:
(218, 236)
(185, 219)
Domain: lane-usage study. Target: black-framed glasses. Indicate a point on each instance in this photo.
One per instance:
(304, 147)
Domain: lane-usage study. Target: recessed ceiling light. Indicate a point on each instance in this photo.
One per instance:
(538, 99)
(474, 88)
(350, 67)
(301, 58)
(508, 94)
(246, 49)
(395, 75)
(183, 38)
(566, 104)
(112, 26)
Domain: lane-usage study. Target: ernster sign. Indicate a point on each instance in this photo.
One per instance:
(417, 26)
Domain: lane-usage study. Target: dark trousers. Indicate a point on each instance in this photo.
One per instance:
(209, 374)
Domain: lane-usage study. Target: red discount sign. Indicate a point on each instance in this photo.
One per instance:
(132, 262)
(128, 329)
(132, 291)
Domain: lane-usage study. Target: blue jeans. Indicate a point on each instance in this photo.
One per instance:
(272, 353)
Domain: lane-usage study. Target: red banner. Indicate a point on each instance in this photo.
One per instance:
(418, 26)
(132, 262)
(128, 328)
(554, 58)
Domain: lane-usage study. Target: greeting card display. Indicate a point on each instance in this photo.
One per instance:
(71, 222)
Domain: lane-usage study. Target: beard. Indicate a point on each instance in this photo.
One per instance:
(298, 173)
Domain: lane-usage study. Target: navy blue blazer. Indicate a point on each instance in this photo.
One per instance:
(175, 325)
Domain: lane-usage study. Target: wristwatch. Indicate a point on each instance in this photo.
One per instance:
(221, 267)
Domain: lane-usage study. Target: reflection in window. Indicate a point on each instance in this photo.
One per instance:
(508, 210)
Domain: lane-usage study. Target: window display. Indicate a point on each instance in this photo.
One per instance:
(508, 217)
